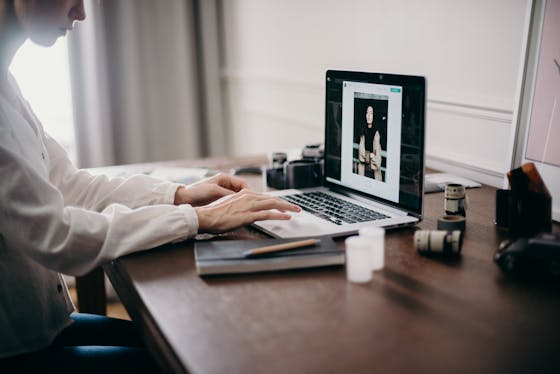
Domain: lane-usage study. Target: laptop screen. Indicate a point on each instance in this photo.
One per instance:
(374, 139)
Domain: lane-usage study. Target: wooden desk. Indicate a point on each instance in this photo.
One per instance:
(417, 315)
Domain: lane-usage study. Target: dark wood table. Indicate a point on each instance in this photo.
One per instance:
(417, 315)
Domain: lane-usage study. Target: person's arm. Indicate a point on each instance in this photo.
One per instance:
(362, 149)
(72, 240)
(35, 220)
(375, 161)
(82, 189)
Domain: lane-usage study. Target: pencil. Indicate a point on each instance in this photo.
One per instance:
(282, 247)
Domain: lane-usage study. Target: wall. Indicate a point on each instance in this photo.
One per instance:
(275, 54)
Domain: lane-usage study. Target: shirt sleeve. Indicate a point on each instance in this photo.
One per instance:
(36, 219)
(82, 189)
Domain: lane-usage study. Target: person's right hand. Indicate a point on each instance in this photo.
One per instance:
(240, 209)
(209, 190)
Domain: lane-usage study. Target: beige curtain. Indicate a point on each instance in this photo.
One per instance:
(139, 82)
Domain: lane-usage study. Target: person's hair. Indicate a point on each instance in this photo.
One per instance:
(364, 124)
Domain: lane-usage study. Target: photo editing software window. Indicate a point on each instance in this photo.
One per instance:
(371, 137)
(374, 145)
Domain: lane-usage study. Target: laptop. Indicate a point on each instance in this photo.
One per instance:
(374, 158)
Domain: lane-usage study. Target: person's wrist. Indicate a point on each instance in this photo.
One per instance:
(180, 196)
(204, 219)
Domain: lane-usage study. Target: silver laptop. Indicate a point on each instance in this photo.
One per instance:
(374, 158)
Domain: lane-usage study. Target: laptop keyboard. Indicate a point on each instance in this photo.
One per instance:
(333, 209)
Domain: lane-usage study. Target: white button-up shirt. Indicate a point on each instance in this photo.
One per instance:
(55, 218)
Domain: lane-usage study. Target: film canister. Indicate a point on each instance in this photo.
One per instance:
(451, 223)
(438, 242)
(454, 199)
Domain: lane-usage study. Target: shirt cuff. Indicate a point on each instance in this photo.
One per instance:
(190, 222)
(169, 195)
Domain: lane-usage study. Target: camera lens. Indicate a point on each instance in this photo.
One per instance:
(438, 241)
(278, 159)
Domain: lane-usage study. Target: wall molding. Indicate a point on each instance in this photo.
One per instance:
(454, 105)
(477, 173)
(463, 109)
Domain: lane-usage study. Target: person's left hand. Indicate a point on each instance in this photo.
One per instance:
(208, 190)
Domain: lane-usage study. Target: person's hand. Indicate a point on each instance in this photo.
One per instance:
(240, 209)
(209, 190)
(361, 155)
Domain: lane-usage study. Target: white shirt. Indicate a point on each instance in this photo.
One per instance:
(55, 218)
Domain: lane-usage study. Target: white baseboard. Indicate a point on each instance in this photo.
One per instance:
(481, 175)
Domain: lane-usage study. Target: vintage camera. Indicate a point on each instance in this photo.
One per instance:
(538, 256)
(305, 172)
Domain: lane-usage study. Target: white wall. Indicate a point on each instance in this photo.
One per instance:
(277, 51)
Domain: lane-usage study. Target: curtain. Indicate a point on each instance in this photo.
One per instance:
(138, 83)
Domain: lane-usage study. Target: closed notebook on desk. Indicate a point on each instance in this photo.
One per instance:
(227, 256)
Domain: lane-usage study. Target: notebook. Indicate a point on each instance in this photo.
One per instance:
(227, 256)
(374, 158)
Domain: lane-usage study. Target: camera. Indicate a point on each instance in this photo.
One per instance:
(305, 172)
(537, 256)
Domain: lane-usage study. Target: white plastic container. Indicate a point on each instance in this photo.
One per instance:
(358, 260)
(375, 236)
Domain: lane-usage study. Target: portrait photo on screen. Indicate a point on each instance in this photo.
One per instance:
(370, 135)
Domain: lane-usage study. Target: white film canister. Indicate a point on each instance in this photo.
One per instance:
(376, 239)
(358, 260)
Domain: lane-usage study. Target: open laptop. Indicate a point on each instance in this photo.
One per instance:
(374, 158)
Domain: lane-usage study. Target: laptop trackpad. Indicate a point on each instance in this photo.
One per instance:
(300, 225)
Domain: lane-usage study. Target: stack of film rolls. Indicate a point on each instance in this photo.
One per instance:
(448, 238)
(454, 205)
